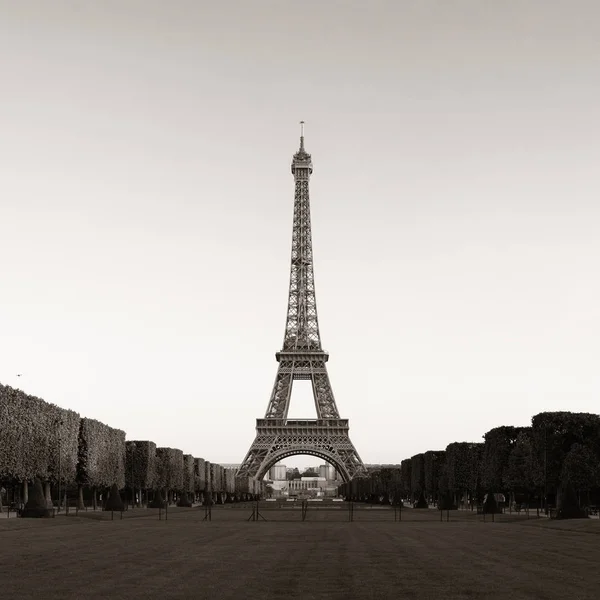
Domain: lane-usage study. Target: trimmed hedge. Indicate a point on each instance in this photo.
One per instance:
(462, 466)
(188, 474)
(93, 454)
(114, 502)
(30, 429)
(421, 502)
(101, 455)
(553, 436)
(417, 474)
(498, 445)
(406, 477)
(208, 482)
(169, 469)
(433, 465)
(490, 506)
(199, 475)
(140, 464)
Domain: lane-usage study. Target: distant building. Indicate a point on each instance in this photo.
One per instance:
(278, 472)
(308, 486)
(328, 472)
(315, 487)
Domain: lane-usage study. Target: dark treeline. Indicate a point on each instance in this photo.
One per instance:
(530, 465)
(85, 458)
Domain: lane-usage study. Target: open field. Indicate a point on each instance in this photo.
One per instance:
(322, 557)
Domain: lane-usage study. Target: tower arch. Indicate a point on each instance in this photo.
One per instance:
(322, 454)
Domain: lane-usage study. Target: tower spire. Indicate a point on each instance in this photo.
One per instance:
(301, 136)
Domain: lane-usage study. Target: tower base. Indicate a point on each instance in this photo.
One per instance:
(277, 439)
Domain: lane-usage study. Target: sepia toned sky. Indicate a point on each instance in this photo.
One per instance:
(146, 211)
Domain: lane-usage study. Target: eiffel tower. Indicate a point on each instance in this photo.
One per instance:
(302, 358)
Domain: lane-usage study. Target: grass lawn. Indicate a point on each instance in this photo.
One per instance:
(326, 556)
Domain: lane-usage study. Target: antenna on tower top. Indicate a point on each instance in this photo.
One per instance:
(301, 135)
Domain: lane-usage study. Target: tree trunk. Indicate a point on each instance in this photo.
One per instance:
(25, 492)
(80, 501)
(48, 494)
(94, 499)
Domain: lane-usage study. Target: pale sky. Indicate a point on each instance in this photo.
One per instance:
(146, 212)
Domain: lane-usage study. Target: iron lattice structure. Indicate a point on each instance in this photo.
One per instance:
(302, 357)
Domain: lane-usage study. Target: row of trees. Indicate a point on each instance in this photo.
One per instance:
(60, 448)
(526, 464)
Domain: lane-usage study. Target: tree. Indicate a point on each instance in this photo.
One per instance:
(519, 475)
(474, 454)
(158, 500)
(490, 506)
(567, 503)
(580, 468)
(389, 480)
(292, 474)
(114, 500)
(184, 500)
(188, 473)
(496, 452)
(417, 474)
(33, 432)
(309, 473)
(553, 435)
(140, 465)
(169, 470)
(433, 462)
(458, 468)
(101, 455)
(406, 478)
(36, 505)
(421, 502)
